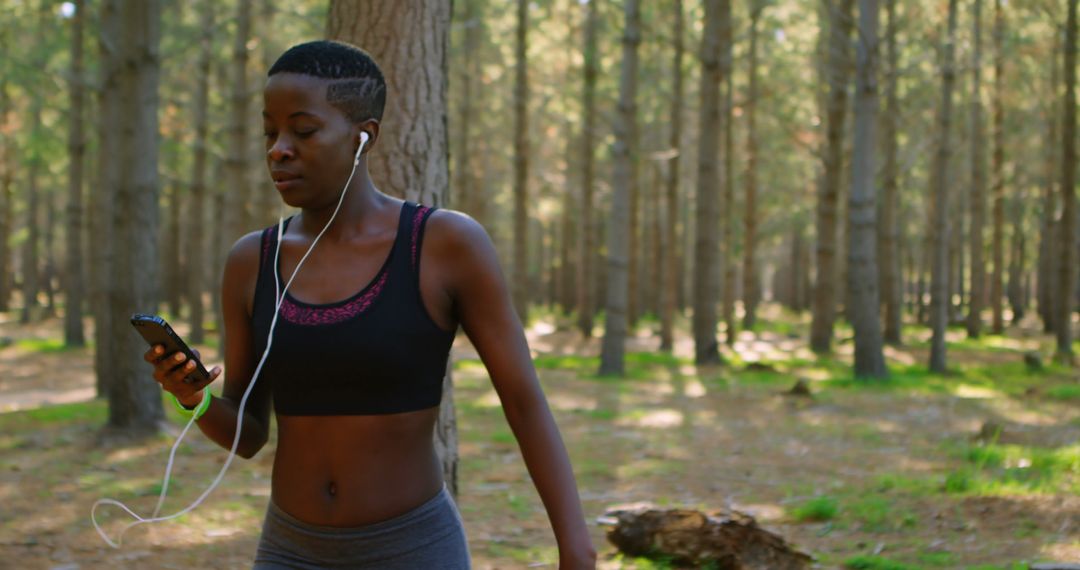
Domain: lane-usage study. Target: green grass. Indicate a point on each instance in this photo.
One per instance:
(1011, 469)
(1064, 392)
(876, 513)
(44, 345)
(863, 562)
(818, 509)
(638, 365)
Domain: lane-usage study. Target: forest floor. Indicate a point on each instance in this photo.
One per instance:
(887, 475)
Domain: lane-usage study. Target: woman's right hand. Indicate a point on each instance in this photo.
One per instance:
(170, 371)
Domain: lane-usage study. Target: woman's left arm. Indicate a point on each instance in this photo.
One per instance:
(483, 306)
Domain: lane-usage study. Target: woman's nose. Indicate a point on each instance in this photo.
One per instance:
(281, 150)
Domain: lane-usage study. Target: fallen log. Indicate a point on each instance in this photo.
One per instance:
(729, 540)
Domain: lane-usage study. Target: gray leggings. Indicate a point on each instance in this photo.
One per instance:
(430, 536)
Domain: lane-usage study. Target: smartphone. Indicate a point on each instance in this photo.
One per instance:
(156, 331)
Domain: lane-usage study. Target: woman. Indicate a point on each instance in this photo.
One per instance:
(355, 371)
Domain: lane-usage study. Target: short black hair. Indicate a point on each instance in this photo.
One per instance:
(357, 87)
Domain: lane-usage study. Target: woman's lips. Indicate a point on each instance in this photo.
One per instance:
(282, 185)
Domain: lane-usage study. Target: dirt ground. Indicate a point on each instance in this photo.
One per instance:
(672, 434)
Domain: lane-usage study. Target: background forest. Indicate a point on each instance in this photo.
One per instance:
(697, 204)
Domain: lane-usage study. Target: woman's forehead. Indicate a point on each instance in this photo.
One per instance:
(293, 91)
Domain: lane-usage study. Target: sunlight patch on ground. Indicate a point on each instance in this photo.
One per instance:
(540, 328)
(33, 399)
(570, 402)
(1013, 412)
(695, 389)
(666, 418)
(490, 399)
(976, 392)
(902, 357)
(764, 512)
(125, 454)
(1062, 551)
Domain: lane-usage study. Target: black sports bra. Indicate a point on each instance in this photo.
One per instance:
(377, 352)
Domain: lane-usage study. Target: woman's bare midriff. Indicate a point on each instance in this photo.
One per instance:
(347, 471)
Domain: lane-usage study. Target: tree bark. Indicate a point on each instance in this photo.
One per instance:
(586, 232)
(520, 277)
(134, 398)
(837, 77)
(750, 282)
(892, 280)
(939, 302)
(975, 303)
(671, 269)
(7, 199)
(998, 172)
(862, 267)
(624, 154)
(197, 271)
(410, 45)
(706, 242)
(1047, 275)
(237, 219)
(73, 284)
(1067, 241)
(727, 252)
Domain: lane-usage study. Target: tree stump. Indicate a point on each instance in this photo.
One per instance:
(801, 388)
(731, 540)
(1033, 360)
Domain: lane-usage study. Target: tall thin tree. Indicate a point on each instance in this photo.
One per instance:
(837, 76)
(939, 302)
(728, 250)
(892, 279)
(750, 277)
(998, 172)
(134, 398)
(586, 247)
(1067, 241)
(977, 244)
(73, 282)
(706, 241)
(671, 192)
(196, 251)
(520, 278)
(624, 154)
(862, 266)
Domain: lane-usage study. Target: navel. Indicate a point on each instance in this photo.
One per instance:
(331, 488)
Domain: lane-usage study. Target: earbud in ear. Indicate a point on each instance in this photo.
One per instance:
(364, 137)
(363, 140)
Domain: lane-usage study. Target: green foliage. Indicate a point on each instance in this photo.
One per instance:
(863, 562)
(818, 509)
(43, 345)
(1064, 392)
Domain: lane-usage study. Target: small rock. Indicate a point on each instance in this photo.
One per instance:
(759, 367)
(801, 388)
(990, 432)
(1033, 360)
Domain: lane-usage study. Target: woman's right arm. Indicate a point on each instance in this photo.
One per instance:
(219, 421)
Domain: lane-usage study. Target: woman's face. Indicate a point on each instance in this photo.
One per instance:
(309, 143)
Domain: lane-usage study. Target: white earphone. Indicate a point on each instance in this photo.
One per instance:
(278, 298)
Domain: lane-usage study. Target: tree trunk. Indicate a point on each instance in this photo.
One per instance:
(1047, 261)
(520, 278)
(862, 266)
(671, 269)
(134, 398)
(892, 280)
(7, 200)
(1067, 241)
(410, 44)
(586, 232)
(939, 302)
(1015, 290)
(998, 172)
(197, 267)
(975, 303)
(30, 254)
(727, 252)
(624, 154)
(837, 77)
(706, 242)
(464, 190)
(73, 284)
(237, 219)
(750, 288)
